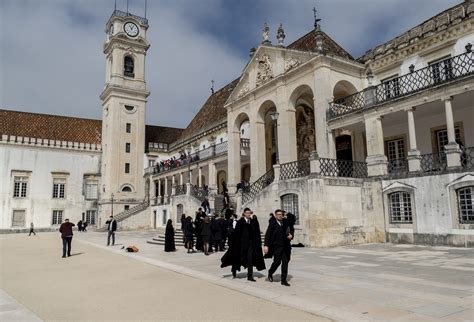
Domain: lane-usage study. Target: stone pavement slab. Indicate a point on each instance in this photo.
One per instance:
(364, 282)
(11, 310)
(98, 285)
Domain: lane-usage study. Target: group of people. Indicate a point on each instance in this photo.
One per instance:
(175, 162)
(208, 233)
(82, 226)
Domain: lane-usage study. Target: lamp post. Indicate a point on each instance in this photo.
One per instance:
(112, 205)
(274, 116)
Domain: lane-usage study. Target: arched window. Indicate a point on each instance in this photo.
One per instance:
(128, 66)
(289, 203)
(465, 204)
(399, 208)
(127, 189)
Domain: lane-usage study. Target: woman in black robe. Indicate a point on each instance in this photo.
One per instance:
(206, 234)
(169, 237)
(189, 234)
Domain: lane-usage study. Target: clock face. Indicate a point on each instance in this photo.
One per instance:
(130, 29)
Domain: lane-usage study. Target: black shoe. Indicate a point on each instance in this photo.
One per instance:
(69, 255)
(270, 278)
(251, 279)
(64, 257)
(285, 283)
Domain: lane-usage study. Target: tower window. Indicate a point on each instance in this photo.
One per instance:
(127, 167)
(128, 128)
(127, 147)
(128, 66)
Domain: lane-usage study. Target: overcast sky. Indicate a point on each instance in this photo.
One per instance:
(51, 58)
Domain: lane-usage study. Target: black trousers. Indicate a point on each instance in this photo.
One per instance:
(32, 232)
(111, 234)
(67, 246)
(250, 261)
(280, 257)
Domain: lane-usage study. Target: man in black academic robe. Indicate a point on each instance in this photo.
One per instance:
(278, 245)
(246, 247)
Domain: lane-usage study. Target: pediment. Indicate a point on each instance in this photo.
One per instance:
(267, 63)
(398, 185)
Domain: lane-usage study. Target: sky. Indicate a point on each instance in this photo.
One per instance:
(51, 58)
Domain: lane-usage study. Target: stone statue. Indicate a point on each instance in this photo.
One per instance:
(306, 140)
(266, 34)
(265, 71)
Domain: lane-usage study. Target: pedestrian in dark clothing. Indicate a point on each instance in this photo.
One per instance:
(221, 224)
(32, 229)
(206, 234)
(246, 247)
(226, 201)
(169, 237)
(216, 234)
(224, 187)
(111, 228)
(84, 226)
(200, 215)
(189, 234)
(231, 223)
(278, 245)
(206, 206)
(66, 234)
(183, 223)
(79, 225)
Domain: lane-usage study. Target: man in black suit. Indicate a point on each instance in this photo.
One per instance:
(111, 228)
(278, 245)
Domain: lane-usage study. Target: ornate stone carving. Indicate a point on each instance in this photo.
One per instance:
(265, 71)
(306, 139)
(291, 63)
(244, 90)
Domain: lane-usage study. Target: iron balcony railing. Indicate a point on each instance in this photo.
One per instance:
(180, 190)
(435, 74)
(433, 163)
(397, 167)
(199, 193)
(295, 169)
(467, 158)
(204, 154)
(343, 168)
(261, 183)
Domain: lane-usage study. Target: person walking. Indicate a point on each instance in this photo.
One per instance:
(189, 234)
(246, 247)
(79, 225)
(216, 234)
(32, 229)
(200, 215)
(206, 206)
(169, 237)
(84, 226)
(278, 245)
(183, 223)
(111, 228)
(66, 234)
(206, 234)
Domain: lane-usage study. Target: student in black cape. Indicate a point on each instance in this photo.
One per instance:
(246, 246)
(206, 234)
(189, 234)
(169, 237)
(278, 245)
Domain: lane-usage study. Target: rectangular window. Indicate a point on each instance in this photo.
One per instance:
(128, 127)
(127, 167)
(20, 187)
(289, 203)
(399, 208)
(59, 186)
(90, 216)
(441, 69)
(466, 205)
(442, 138)
(127, 147)
(57, 217)
(18, 219)
(164, 217)
(92, 189)
(391, 87)
(396, 154)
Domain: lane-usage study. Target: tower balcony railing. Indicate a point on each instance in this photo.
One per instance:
(443, 72)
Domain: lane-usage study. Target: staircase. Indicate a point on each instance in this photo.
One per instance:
(128, 213)
(178, 239)
(261, 183)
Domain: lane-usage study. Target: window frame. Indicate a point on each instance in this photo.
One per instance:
(295, 209)
(127, 147)
(397, 228)
(61, 218)
(13, 216)
(401, 207)
(127, 168)
(128, 73)
(128, 127)
(94, 216)
(23, 186)
(89, 182)
(59, 192)
(458, 204)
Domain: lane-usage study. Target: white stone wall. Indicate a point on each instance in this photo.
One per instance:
(40, 162)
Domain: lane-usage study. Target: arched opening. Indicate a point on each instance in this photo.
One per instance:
(126, 188)
(302, 101)
(242, 125)
(179, 212)
(128, 66)
(265, 115)
(221, 180)
(343, 89)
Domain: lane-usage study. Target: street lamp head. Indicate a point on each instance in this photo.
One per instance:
(274, 116)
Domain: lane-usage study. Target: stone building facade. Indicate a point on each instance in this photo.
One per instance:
(370, 149)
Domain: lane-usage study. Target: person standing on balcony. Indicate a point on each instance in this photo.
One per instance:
(246, 247)
(111, 228)
(169, 237)
(278, 245)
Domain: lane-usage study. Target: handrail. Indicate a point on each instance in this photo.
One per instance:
(260, 184)
(295, 169)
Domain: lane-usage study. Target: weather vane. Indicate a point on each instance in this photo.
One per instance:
(316, 20)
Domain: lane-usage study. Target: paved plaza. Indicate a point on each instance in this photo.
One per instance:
(366, 282)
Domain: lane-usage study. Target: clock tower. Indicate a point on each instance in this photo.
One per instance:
(123, 114)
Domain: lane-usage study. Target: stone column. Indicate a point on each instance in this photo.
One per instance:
(322, 96)
(376, 159)
(276, 170)
(173, 185)
(234, 157)
(331, 148)
(200, 177)
(287, 145)
(413, 154)
(190, 176)
(212, 177)
(159, 191)
(166, 187)
(181, 180)
(453, 153)
(258, 164)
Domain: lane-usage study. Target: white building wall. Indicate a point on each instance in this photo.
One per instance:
(41, 162)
